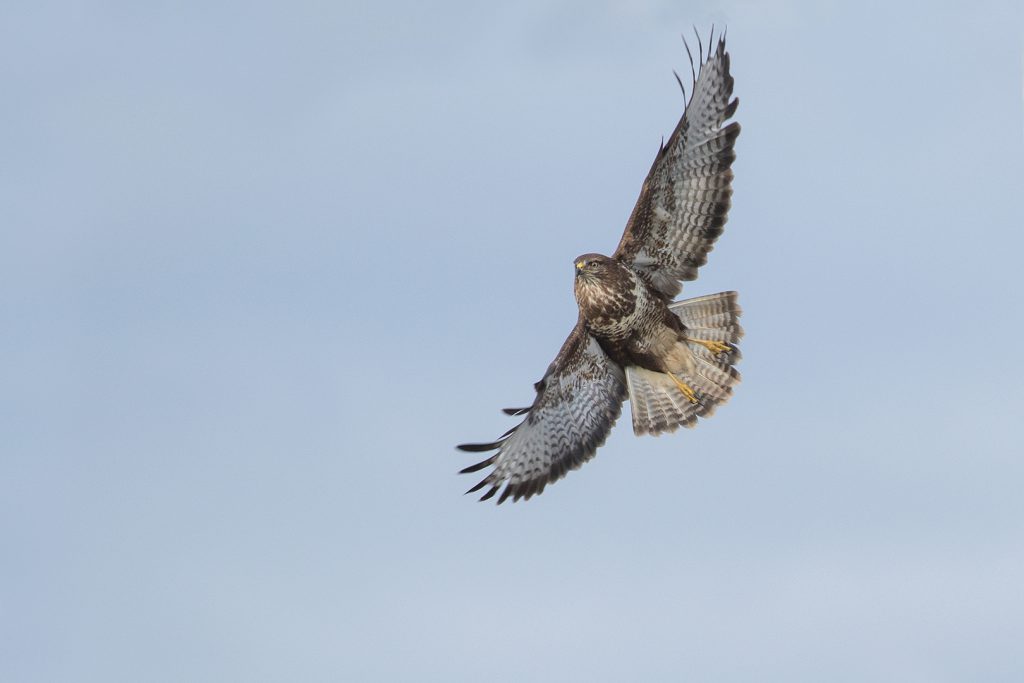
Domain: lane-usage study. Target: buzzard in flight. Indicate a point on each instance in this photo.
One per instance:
(673, 360)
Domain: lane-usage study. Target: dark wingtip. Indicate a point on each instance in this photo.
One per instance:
(478, 447)
(490, 494)
(730, 110)
(515, 411)
(479, 466)
(680, 82)
(693, 72)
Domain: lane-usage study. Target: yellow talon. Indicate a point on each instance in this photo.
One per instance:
(712, 346)
(685, 388)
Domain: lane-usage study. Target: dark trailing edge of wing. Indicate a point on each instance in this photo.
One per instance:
(525, 490)
(494, 445)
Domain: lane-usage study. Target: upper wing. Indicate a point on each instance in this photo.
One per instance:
(577, 402)
(685, 199)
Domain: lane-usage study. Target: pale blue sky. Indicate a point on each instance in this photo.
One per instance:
(262, 266)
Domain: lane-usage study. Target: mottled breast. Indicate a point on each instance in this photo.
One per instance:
(612, 298)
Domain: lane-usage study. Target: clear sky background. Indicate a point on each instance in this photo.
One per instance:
(263, 265)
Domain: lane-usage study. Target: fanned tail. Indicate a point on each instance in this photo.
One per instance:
(715, 317)
(658, 404)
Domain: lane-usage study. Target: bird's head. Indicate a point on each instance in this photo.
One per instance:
(593, 267)
(602, 286)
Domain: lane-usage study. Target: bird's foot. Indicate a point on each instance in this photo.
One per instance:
(688, 392)
(715, 347)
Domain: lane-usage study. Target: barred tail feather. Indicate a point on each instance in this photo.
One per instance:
(714, 317)
(658, 405)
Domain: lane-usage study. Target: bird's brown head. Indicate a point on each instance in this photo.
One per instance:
(598, 279)
(592, 267)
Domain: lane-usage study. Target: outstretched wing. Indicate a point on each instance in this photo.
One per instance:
(685, 199)
(577, 402)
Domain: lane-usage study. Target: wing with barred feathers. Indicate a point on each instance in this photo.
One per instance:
(577, 402)
(685, 199)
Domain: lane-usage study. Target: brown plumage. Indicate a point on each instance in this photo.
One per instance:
(673, 360)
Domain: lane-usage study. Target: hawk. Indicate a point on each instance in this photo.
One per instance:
(673, 360)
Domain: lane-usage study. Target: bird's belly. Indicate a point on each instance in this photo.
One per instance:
(653, 347)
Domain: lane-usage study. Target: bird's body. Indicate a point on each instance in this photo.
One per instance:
(673, 360)
(632, 324)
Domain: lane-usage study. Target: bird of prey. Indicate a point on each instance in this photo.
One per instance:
(673, 360)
